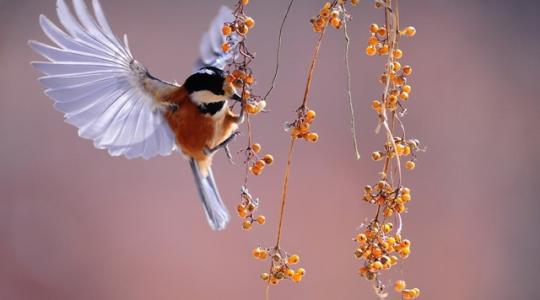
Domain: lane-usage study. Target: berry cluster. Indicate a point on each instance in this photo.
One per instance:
(241, 25)
(300, 128)
(332, 13)
(240, 77)
(259, 163)
(247, 208)
(381, 245)
(378, 246)
(407, 294)
(402, 148)
(281, 266)
(387, 198)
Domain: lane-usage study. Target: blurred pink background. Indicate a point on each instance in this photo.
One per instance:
(78, 224)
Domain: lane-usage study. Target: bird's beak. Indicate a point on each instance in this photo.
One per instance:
(236, 97)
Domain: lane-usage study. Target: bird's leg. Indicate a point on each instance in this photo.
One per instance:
(224, 144)
(228, 153)
(242, 115)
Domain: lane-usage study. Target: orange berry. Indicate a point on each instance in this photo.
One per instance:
(289, 272)
(383, 50)
(265, 276)
(408, 294)
(251, 109)
(312, 137)
(245, 2)
(261, 219)
(304, 127)
(249, 79)
(336, 22)
(377, 265)
(260, 164)
(310, 115)
(355, 2)
(301, 271)
(256, 252)
(239, 74)
(372, 41)
(376, 155)
(256, 148)
(250, 22)
(293, 259)
(376, 105)
(268, 159)
(373, 28)
(404, 252)
(406, 89)
(246, 225)
(361, 238)
(410, 31)
(297, 277)
(387, 227)
(377, 252)
(370, 51)
(407, 70)
(246, 95)
(405, 243)
(226, 30)
(406, 197)
(255, 171)
(327, 6)
(398, 54)
(243, 29)
(381, 31)
(410, 165)
(400, 285)
(225, 47)
(404, 96)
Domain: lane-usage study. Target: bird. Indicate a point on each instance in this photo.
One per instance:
(95, 81)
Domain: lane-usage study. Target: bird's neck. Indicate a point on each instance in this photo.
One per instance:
(211, 108)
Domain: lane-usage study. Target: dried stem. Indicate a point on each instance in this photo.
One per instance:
(312, 68)
(284, 192)
(349, 94)
(278, 52)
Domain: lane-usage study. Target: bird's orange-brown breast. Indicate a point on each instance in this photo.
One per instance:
(194, 130)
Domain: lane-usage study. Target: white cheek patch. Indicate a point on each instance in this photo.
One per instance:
(200, 97)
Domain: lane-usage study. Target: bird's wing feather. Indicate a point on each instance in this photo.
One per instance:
(102, 90)
(211, 53)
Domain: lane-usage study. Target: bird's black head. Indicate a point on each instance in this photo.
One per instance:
(209, 79)
(207, 90)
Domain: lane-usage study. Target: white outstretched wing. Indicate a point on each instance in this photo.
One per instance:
(95, 81)
(211, 53)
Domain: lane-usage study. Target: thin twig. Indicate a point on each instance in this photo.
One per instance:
(278, 52)
(349, 94)
(312, 68)
(285, 189)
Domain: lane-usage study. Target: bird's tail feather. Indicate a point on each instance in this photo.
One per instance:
(216, 212)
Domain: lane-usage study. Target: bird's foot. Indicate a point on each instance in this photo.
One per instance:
(223, 144)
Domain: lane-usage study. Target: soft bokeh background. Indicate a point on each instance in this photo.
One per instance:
(78, 224)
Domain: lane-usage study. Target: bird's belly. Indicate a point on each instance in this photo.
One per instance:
(194, 132)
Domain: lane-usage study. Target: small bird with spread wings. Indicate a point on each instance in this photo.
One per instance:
(113, 100)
